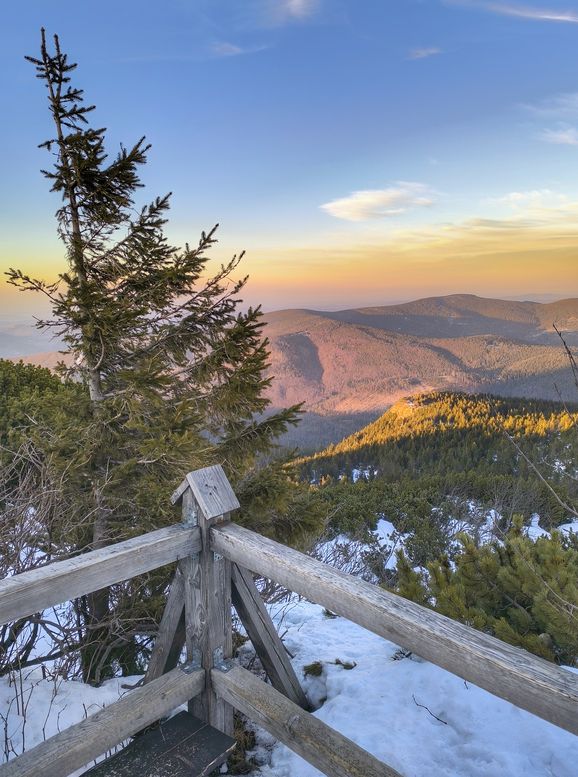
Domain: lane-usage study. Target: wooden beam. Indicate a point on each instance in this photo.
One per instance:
(525, 680)
(263, 634)
(61, 581)
(78, 745)
(328, 750)
(171, 636)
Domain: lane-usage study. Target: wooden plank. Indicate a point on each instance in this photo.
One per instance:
(320, 745)
(38, 589)
(78, 745)
(171, 636)
(211, 490)
(509, 672)
(263, 634)
(183, 746)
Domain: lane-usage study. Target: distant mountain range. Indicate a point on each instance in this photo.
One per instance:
(348, 366)
(19, 338)
(360, 361)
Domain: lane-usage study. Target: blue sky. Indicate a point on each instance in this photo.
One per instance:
(313, 127)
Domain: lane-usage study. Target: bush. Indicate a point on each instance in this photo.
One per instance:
(522, 591)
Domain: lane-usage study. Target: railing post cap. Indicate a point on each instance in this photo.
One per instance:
(211, 490)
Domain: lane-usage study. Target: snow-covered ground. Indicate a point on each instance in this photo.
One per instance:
(376, 705)
(534, 530)
(353, 556)
(33, 709)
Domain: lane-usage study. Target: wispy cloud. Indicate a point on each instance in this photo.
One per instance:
(563, 136)
(561, 105)
(371, 204)
(280, 12)
(423, 53)
(225, 49)
(299, 9)
(522, 11)
(538, 14)
(530, 199)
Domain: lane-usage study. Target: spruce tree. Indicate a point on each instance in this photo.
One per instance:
(173, 370)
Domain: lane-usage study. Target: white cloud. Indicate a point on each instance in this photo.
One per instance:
(521, 11)
(423, 53)
(224, 49)
(557, 105)
(533, 198)
(299, 9)
(278, 12)
(371, 204)
(563, 136)
(537, 14)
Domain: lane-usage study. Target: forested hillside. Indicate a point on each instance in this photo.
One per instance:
(429, 458)
(445, 432)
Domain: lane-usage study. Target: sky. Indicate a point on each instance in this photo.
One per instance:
(361, 152)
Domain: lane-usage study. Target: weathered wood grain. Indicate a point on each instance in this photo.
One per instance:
(38, 589)
(525, 680)
(211, 490)
(328, 750)
(207, 589)
(183, 746)
(78, 745)
(263, 634)
(170, 638)
(212, 626)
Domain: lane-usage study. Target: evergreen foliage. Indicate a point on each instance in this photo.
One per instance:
(21, 384)
(436, 463)
(522, 591)
(449, 432)
(170, 369)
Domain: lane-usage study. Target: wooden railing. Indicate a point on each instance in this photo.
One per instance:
(214, 557)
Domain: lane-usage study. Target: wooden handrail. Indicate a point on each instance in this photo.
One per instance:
(76, 746)
(509, 672)
(34, 591)
(199, 605)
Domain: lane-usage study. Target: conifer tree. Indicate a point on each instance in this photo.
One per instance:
(173, 370)
(522, 591)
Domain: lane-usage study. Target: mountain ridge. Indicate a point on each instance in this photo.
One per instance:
(352, 364)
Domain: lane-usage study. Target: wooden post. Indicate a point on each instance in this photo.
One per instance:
(207, 499)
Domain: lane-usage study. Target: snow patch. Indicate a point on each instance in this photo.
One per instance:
(376, 705)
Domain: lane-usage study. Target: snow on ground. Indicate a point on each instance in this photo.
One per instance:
(366, 473)
(353, 555)
(567, 528)
(376, 705)
(33, 709)
(534, 530)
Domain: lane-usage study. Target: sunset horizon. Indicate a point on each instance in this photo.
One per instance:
(435, 156)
